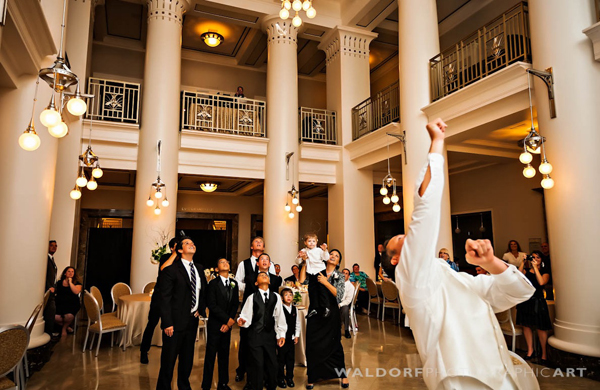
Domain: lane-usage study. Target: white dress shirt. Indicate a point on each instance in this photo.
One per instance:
(289, 310)
(241, 272)
(452, 313)
(248, 311)
(511, 259)
(348, 293)
(187, 264)
(225, 281)
(316, 258)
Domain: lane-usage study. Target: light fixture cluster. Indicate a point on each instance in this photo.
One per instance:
(158, 189)
(297, 6)
(59, 77)
(389, 183)
(293, 196)
(87, 160)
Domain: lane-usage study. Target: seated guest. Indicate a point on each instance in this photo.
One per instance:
(286, 355)
(67, 299)
(514, 255)
(295, 275)
(444, 254)
(346, 302)
(240, 92)
(363, 294)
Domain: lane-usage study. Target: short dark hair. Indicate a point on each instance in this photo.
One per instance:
(346, 269)
(51, 241)
(173, 242)
(277, 265)
(265, 254)
(239, 86)
(355, 265)
(263, 272)
(296, 267)
(179, 242)
(286, 290)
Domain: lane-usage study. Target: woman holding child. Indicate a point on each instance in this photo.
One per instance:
(324, 352)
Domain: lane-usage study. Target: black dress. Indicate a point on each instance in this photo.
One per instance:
(533, 313)
(324, 351)
(66, 301)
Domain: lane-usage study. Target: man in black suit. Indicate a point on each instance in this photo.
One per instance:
(377, 262)
(222, 299)
(51, 271)
(183, 290)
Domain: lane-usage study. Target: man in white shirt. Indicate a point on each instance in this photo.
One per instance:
(448, 309)
(346, 302)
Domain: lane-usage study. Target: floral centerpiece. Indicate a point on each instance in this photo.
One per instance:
(297, 298)
(161, 247)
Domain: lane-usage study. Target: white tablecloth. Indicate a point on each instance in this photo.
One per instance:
(301, 346)
(133, 310)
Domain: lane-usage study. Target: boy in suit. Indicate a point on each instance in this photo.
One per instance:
(263, 316)
(183, 291)
(222, 299)
(286, 355)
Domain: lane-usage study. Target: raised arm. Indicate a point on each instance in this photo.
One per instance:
(240, 275)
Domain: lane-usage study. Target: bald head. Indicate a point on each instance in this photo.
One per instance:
(391, 256)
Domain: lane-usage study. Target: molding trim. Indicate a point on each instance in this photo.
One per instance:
(280, 31)
(349, 41)
(593, 32)
(171, 10)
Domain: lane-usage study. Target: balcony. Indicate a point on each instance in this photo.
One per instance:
(115, 101)
(376, 111)
(317, 126)
(498, 44)
(222, 114)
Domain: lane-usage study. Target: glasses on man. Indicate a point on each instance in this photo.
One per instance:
(444, 253)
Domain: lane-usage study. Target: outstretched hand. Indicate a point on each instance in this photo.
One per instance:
(479, 252)
(437, 130)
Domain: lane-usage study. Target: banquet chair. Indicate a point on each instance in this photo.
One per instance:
(99, 323)
(14, 340)
(353, 321)
(29, 326)
(202, 323)
(149, 287)
(391, 299)
(117, 291)
(526, 378)
(98, 296)
(373, 296)
(508, 327)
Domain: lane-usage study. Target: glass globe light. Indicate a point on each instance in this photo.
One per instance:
(75, 193)
(59, 131)
(547, 182)
(396, 208)
(545, 168)
(295, 200)
(29, 140)
(158, 194)
(386, 200)
(383, 191)
(97, 172)
(297, 5)
(306, 5)
(156, 210)
(529, 171)
(81, 180)
(92, 184)
(298, 208)
(525, 157)
(395, 198)
(77, 106)
(165, 203)
(297, 21)
(287, 207)
(311, 13)
(150, 202)
(284, 14)
(287, 4)
(291, 215)
(50, 117)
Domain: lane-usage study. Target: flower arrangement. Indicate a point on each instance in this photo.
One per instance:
(297, 298)
(161, 246)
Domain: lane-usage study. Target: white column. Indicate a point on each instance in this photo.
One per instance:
(64, 209)
(281, 232)
(350, 200)
(160, 121)
(418, 41)
(572, 148)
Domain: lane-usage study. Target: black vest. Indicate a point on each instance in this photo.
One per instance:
(249, 279)
(290, 319)
(262, 314)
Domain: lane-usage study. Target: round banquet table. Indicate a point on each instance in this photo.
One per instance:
(301, 346)
(133, 310)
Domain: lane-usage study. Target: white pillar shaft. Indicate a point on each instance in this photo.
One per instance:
(281, 231)
(418, 41)
(160, 121)
(572, 142)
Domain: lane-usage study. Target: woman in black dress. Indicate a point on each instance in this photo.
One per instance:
(533, 313)
(324, 351)
(67, 299)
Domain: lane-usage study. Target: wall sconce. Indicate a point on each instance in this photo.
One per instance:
(158, 188)
(293, 195)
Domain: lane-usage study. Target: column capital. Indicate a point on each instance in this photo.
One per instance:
(170, 10)
(346, 40)
(279, 30)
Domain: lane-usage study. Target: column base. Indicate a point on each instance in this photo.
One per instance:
(38, 337)
(579, 365)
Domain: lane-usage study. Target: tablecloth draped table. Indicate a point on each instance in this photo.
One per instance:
(133, 310)
(301, 346)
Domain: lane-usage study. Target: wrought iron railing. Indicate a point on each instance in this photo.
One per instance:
(496, 45)
(223, 114)
(377, 111)
(115, 101)
(317, 126)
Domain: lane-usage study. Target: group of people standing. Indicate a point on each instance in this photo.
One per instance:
(269, 323)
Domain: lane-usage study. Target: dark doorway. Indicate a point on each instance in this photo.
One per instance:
(475, 226)
(212, 236)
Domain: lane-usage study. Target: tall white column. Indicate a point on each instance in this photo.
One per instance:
(572, 208)
(160, 121)
(281, 231)
(64, 209)
(418, 41)
(350, 200)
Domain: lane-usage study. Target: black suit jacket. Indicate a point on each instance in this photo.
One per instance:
(176, 295)
(51, 272)
(222, 306)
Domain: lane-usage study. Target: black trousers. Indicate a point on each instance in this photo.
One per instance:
(345, 314)
(181, 345)
(242, 353)
(286, 360)
(153, 318)
(317, 293)
(363, 299)
(49, 313)
(262, 351)
(217, 346)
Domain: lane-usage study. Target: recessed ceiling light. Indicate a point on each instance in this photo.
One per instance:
(212, 38)
(208, 187)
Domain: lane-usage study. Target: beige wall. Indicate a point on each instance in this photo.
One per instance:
(516, 209)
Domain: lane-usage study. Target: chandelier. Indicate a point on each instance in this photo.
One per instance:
(59, 77)
(158, 187)
(390, 182)
(293, 195)
(297, 5)
(87, 160)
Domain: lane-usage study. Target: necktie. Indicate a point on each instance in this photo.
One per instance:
(227, 283)
(266, 297)
(193, 281)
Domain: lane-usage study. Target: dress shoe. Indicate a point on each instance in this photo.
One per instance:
(545, 362)
(290, 382)
(223, 386)
(326, 313)
(144, 357)
(239, 378)
(347, 334)
(312, 313)
(345, 385)
(529, 357)
(282, 384)
(310, 387)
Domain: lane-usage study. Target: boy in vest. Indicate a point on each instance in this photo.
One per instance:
(263, 316)
(286, 354)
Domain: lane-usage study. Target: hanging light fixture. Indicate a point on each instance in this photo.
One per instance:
(293, 195)
(212, 38)
(208, 186)
(297, 6)
(29, 140)
(457, 230)
(88, 159)
(481, 228)
(158, 187)
(389, 182)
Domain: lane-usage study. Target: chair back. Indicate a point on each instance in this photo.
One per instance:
(91, 307)
(14, 340)
(389, 291)
(95, 291)
(149, 287)
(117, 291)
(372, 287)
(31, 321)
(503, 316)
(356, 286)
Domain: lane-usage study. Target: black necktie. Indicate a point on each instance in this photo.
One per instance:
(193, 281)
(266, 297)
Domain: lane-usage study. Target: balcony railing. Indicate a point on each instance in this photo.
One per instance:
(115, 101)
(222, 114)
(376, 112)
(317, 126)
(496, 45)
